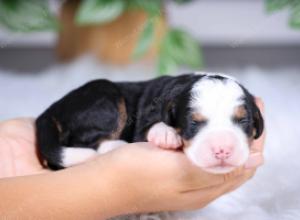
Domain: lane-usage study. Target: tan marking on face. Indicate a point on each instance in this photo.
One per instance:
(186, 143)
(198, 117)
(240, 112)
(178, 130)
(57, 124)
(121, 120)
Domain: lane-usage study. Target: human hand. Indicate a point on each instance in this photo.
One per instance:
(146, 178)
(256, 150)
(149, 179)
(18, 154)
(152, 179)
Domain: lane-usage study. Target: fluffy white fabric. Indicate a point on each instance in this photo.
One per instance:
(274, 193)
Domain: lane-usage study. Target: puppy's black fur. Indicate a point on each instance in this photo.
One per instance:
(102, 110)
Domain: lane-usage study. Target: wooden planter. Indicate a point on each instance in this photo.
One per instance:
(111, 43)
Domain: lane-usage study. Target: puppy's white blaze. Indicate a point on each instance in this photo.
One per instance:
(216, 99)
(72, 155)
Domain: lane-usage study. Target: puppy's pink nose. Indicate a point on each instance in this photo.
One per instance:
(222, 144)
(222, 153)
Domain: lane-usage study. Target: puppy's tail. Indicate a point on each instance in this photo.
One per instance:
(48, 142)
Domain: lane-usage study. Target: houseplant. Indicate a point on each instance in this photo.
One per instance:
(292, 5)
(91, 25)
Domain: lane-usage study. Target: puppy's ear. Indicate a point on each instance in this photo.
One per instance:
(258, 122)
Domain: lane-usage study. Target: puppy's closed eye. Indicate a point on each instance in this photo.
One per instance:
(198, 117)
(198, 124)
(241, 121)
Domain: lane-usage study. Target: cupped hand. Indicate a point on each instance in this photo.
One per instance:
(150, 178)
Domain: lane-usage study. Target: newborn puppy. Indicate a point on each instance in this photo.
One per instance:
(211, 117)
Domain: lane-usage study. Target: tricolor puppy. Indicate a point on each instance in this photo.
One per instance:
(211, 117)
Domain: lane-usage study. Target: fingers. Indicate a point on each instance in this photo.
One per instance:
(202, 197)
(258, 144)
(254, 160)
(260, 104)
(236, 182)
(206, 195)
(199, 179)
(19, 126)
(256, 157)
(240, 180)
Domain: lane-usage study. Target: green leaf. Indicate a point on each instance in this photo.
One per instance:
(99, 11)
(183, 48)
(179, 48)
(152, 7)
(26, 16)
(276, 5)
(13, 4)
(294, 20)
(182, 1)
(145, 40)
(166, 64)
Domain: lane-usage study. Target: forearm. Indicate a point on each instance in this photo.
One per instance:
(81, 192)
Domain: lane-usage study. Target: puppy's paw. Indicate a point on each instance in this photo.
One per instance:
(110, 145)
(164, 136)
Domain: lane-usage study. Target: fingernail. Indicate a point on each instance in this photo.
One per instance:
(254, 160)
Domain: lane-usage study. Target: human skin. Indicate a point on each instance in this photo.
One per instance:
(136, 178)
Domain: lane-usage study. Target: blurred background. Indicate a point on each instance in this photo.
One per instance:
(49, 47)
(232, 33)
(73, 41)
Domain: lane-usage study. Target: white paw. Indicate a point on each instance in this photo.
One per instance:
(75, 155)
(110, 145)
(164, 136)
